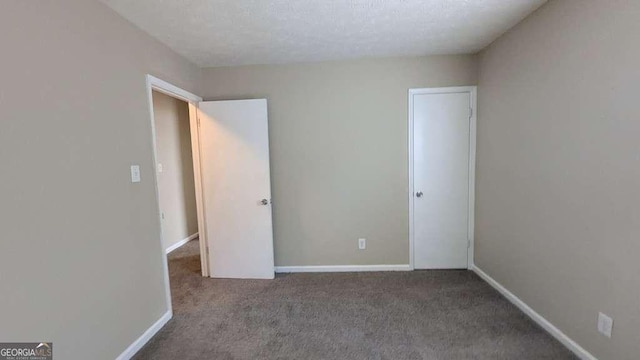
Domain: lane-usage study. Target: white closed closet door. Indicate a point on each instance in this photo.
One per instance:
(234, 155)
(441, 179)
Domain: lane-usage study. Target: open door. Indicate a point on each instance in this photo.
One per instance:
(197, 179)
(235, 174)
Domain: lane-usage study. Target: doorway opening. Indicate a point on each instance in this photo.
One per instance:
(230, 178)
(174, 172)
(176, 156)
(176, 184)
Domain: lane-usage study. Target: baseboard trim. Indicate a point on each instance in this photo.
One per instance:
(145, 337)
(341, 268)
(181, 242)
(539, 319)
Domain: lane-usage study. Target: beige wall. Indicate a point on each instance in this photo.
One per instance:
(338, 133)
(558, 171)
(176, 187)
(80, 255)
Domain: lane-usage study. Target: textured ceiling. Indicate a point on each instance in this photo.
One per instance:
(238, 32)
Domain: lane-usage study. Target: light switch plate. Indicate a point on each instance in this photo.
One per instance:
(159, 168)
(135, 173)
(605, 325)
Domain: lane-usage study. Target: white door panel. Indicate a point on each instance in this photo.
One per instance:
(441, 179)
(236, 178)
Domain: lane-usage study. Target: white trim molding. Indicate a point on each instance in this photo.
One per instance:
(539, 319)
(181, 243)
(341, 268)
(145, 337)
(473, 91)
(171, 90)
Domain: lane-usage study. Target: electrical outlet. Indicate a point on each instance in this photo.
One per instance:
(605, 325)
(159, 167)
(362, 244)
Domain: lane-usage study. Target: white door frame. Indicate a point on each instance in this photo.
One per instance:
(472, 90)
(153, 83)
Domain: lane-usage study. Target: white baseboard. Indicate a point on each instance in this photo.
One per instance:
(341, 268)
(145, 337)
(544, 323)
(181, 242)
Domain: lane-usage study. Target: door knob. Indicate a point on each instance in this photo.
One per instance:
(264, 202)
(419, 194)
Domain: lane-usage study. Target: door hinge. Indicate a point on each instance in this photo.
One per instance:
(470, 112)
(468, 244)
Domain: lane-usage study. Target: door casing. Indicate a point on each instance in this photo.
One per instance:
(154, 83)
(472, 90)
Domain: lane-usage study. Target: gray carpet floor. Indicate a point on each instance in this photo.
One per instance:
(385, 315)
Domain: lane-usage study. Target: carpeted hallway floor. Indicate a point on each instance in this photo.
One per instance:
(391, 315)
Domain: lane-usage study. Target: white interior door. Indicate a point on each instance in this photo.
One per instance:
(441, 156)
(234, 145)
